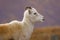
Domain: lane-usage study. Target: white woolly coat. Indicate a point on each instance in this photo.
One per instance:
(15, 30)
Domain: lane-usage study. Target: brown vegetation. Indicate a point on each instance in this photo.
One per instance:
(45, 33)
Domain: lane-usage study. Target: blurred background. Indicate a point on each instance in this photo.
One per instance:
(14, 10)
(50, 9)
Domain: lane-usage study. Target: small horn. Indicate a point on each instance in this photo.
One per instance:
(28, 8)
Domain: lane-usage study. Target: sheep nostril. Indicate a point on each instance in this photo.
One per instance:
(43, 19)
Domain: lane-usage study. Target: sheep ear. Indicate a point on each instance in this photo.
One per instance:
(29, 11)
(28, 8)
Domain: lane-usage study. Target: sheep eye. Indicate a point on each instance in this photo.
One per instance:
(34, 13)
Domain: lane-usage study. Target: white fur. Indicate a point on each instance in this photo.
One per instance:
(21, 30)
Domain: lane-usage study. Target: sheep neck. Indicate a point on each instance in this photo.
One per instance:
(27, 22)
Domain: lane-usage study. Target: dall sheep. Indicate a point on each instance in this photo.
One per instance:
(21, 30)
